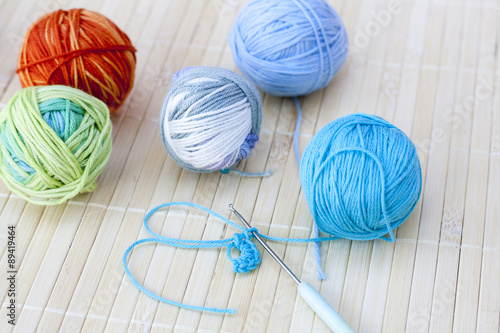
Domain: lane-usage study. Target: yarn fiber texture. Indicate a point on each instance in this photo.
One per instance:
(361, 177)
(81, 49)
(210, 119)
(55, 141)
(289, 47)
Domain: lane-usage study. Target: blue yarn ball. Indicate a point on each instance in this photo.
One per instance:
(289, 47)
(211, 119)
(361, 177)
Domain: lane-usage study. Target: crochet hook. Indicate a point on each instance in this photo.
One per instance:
(317, 303)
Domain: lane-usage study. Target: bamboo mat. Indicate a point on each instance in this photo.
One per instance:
(431, 68)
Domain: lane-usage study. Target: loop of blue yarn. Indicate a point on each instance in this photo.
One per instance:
(289, 47)
(361, 177)
(247, 261)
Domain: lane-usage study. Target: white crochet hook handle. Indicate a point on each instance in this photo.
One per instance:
(317, 303)
(330, 317)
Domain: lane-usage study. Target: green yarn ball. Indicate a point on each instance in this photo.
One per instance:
(54, 143)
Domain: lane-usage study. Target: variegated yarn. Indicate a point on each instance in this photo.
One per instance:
(210, 119)
(54, 143)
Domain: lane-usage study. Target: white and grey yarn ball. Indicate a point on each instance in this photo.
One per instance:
(210, 118)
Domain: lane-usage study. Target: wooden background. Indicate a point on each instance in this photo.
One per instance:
(431, 67)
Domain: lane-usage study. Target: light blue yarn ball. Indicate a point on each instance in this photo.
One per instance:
(361, 177)
(289, 47)
(210, 119)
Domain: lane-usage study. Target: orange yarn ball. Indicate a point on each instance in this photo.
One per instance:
(81, 49)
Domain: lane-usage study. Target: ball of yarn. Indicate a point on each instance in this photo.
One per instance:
(81, 49)
(210, 118)
(289, 47)
(54, 143)
(361, 177)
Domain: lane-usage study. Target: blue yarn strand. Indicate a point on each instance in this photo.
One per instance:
(317, 254)
(296, 134)
(296, 137)
(264, 174)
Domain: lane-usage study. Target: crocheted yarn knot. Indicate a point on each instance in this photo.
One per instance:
(249, 257)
